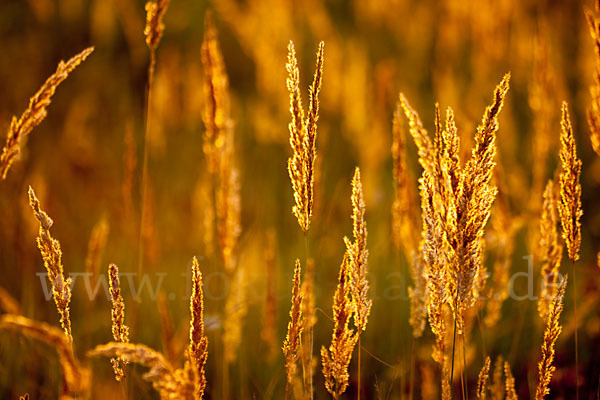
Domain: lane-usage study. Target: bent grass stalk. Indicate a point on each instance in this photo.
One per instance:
(36, 111)
(76, 378)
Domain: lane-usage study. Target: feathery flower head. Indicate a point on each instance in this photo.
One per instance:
(303, 136)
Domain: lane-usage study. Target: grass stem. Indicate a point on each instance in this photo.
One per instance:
(576, 332)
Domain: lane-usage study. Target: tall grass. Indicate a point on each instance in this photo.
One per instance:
(453, 218)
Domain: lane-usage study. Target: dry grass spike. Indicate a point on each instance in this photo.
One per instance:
(291, 344)
(511, 393)
(569, 207)
(553, 329)
(120, 331)
(482, 381)
(198, 347)
(358, 253)
(52, 256)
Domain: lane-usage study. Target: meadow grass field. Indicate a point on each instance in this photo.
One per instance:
(279, 199)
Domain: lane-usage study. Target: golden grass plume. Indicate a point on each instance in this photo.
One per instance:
(36, 111)
(455, 206)
(303, 136)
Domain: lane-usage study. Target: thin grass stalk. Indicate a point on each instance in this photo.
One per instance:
(412, 368)
(466, 383)
(153, 31)
(309, 320)
(576, 330)
(144, 180)
(454, 340)
(358, 366)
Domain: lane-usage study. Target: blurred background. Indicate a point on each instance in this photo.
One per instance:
(84, 163)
